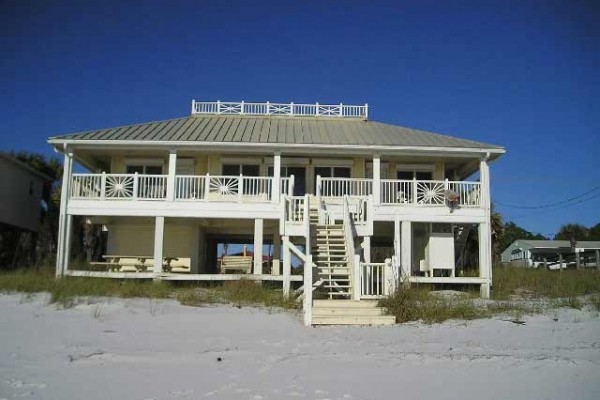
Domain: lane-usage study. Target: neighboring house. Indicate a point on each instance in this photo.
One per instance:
(21, 190)
(552, 254)
(319, 177)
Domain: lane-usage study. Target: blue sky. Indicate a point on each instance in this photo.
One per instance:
(522, 74)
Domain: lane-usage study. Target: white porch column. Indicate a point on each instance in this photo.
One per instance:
(276, 270)
(485, 259)
(287, 266)
(276, 187)
(64, 198)
(258, 246)
(397, 236)
(68, 239)
(171, 175)
(366, 245)
(159, 231)
(376, 179)
(485, 236)
(406, 249)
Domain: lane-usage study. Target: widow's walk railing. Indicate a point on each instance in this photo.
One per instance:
(287, 109)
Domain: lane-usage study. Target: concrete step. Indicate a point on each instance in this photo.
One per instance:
(379, 320)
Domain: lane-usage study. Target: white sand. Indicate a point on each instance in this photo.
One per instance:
(141, 349)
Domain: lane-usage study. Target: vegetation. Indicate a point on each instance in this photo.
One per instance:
(66, 291)
(514, 288)
(530, 282)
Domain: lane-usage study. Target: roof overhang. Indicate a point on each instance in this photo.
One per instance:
(489, 153)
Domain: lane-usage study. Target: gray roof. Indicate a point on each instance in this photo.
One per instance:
(552, 244)
(275, 130)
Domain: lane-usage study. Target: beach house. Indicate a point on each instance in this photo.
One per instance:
(347, 207)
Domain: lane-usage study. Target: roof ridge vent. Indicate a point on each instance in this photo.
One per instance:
(280, 109)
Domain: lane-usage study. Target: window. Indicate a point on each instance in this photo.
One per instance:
(240, 169)
(145, 168)
(333, 172)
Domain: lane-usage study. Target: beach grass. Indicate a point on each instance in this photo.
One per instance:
(67, 290)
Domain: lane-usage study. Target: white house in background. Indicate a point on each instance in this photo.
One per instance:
(361, 204)
(21, 190)
(552, 254)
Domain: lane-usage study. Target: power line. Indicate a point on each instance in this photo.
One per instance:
(553, 204)
(545, 211)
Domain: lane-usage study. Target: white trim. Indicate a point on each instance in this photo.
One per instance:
(361, 149)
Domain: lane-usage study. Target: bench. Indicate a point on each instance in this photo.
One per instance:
(179, 264)
(236, 263)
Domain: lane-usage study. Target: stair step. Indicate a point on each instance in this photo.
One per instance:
(359, 312)
(344, 303)
(354, 320)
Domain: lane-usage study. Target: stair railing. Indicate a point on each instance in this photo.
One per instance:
(353, 260)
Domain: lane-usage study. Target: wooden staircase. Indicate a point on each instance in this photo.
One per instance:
(328, 247)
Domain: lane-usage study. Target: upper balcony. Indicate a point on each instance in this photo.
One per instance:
(259, 197)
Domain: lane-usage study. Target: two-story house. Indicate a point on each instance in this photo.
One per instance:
(320, 183)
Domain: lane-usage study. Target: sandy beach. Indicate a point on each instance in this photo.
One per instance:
(147, 349)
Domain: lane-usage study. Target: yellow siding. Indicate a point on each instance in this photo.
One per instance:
(438, 173)
(214, 164)
(117, 165)
(137, 239)
(201, 167)
(358, 169)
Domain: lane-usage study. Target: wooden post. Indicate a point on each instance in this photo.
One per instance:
(376, 179)
(357, 282)
(388, 276)
(484, 258)
(275, 187)
(171, 175)
(159, 231)
(308, 291)
(406, 249)
(62, 216)
(287, 266)
(258, 246)
(367, 249)
(485, 233)
(597, 259)
(276, 270)
(560, 262)
(577, 259)
(68, 240)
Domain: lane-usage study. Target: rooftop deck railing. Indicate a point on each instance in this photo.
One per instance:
(289, 109)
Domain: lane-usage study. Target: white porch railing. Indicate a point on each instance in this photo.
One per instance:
(430, 193)
(295, 209)
(297, 110)
(338, 187)
(119, 186)
(376, 279)
(187, 187)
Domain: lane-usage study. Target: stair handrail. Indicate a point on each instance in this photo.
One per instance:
(350, 250)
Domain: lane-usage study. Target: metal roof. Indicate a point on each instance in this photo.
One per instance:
(274, 130)
(554, 244)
